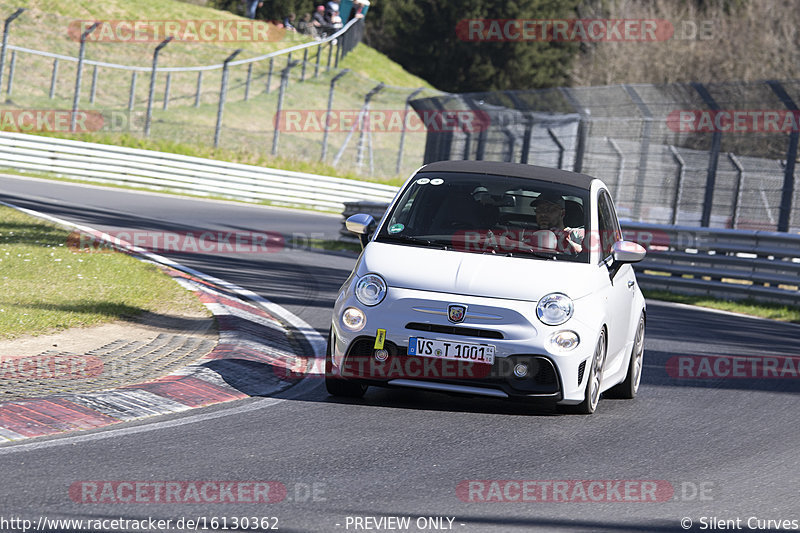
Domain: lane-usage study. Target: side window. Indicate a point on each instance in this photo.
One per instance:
(609, 226)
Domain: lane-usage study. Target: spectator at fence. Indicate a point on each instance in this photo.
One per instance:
(288, 22)
(251, 6)
(305, 27)
(320, 23)
(359, 9)
(332, 16)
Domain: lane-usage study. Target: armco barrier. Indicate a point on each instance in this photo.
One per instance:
(192, 175)
(725, 264)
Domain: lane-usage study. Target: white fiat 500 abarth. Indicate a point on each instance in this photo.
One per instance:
(495, 279)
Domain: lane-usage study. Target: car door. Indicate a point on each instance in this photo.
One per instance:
(619, 291)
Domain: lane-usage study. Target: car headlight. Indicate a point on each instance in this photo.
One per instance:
(371, 289)
(554, 309)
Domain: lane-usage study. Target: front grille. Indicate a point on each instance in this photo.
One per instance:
(455, 330)
(581, 368)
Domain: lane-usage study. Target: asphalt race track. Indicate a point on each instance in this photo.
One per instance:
(715, 448)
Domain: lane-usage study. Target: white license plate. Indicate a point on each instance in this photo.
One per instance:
(455, 351)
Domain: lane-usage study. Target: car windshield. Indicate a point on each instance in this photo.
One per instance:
(491, 214)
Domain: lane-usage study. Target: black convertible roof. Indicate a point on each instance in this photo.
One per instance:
(517, 170)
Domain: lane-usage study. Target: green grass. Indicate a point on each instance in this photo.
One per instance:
(247, 124)
(46, 285)
(783, 313)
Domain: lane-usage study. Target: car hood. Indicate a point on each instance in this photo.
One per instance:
(473, 274)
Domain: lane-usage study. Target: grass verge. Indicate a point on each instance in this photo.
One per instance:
(47, 286)
(783, 313)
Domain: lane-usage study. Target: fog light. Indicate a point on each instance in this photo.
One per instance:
(520, 370)
(354, 319)
(564, 341)
(381, 355)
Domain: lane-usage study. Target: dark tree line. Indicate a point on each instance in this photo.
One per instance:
(427, 37)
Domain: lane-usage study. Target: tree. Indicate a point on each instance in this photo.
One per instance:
(430, 38)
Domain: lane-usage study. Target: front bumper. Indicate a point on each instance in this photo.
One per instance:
(509, 325)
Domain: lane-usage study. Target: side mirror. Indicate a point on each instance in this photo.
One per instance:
(623, 252)
(627, 252)
(362, 225)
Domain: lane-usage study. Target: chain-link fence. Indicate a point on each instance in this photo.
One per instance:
(715, 155)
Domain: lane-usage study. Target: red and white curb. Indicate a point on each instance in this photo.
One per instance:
(249, 333)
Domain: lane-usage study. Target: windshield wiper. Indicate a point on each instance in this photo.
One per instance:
(532, 253)
(407, 239)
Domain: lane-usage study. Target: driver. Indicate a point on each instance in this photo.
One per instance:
(550, 213)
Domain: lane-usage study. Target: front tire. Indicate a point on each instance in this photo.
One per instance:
(337, 386)
(592, 395)
(627, 389)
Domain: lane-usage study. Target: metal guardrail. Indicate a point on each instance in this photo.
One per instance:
(186, 174)
(725, 264)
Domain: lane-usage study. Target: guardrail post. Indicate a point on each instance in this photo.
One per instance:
(784, 218)
(676, 199)
(53, 78)
(330, 52)
(11, 69)
(559, 145)
(305, 60)
(222, 94)
(338, 52)
(620, 171)
(6, 25)
(247, 83)
(316, 66)
(199, 88)
(366, 126)
(93, 91)
(713, 161)
(81, 53)
(166, 91)
(151, 93)
(284, 83)
(328, 114)
(132, 93)
(737, 193)
(403, 132)
(269, 73)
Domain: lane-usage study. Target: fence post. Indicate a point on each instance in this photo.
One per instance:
(405, 124)
(269, 73)
(583, 128)
(737, 193)
(784, 218)
(222, 94)
(305, 60)
(644, 150)
(330, 51)
(132, 93)
(527, 137)
(621, 156)
(338, 52)
(53, 79)
(93, 91)
(6, 25)
(328, 114)
(11, 69)
(247, 83)
(676, 199)
(199, 88)
(151, 94)
(166, 91)
(76, 98)
(281, 91)
(316, 67)
(713, 161)
(560, 147)
(365, 124)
